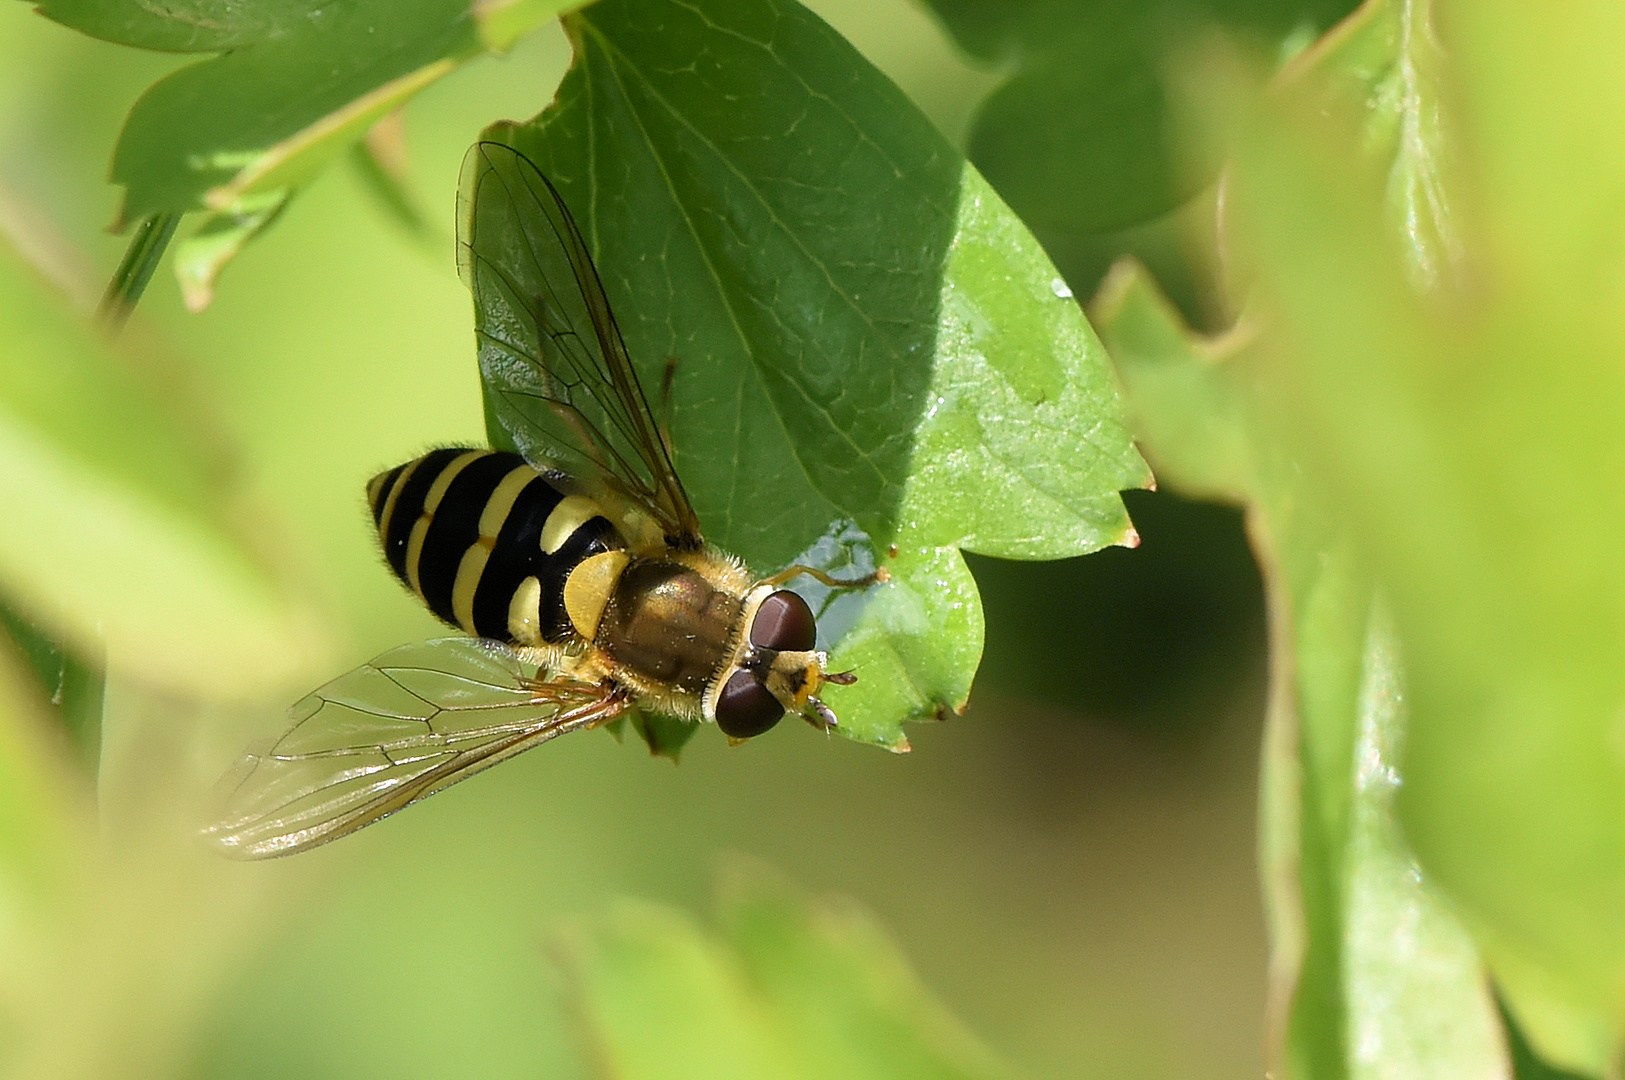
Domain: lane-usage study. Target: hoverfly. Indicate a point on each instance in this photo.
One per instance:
(579, 567)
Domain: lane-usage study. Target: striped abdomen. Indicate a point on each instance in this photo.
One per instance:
(487, 541)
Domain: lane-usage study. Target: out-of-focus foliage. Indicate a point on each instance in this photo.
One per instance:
(1147, 637)
(72, 685)
(296, 83)
(134, 536)
(42, 820)
(787, 988)
(1415, 241)
(1373, 973)
(1081, 137)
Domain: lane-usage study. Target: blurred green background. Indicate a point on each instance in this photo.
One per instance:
(1070, 866)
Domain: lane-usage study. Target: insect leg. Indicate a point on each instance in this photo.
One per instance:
(879, 577)
(822, 717)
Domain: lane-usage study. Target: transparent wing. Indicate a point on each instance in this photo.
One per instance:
(553, 359)
(416, 719)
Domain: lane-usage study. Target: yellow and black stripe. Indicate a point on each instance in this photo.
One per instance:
(487, 541)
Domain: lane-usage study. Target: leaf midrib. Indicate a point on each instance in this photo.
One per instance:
(858, 452)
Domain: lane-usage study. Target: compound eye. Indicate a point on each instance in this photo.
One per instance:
(745, 707)
(784, 622)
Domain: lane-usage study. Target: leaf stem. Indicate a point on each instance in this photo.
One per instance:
(141, 258)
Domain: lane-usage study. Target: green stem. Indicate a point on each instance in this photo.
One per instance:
(141, 258)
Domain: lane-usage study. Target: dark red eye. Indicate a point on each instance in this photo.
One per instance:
(745, 707)
(784, 622)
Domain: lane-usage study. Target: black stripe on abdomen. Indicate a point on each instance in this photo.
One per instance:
(516, 556)
(453, 566)
(455, 528)
(379, 491)
(414, 479)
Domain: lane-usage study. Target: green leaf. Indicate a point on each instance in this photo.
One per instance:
(73, 688)
(1080, 138)
(663, 736)
(44, 827)
(1190, 400)
(1436, 431)
(788, 989)
(135, 270)
(216, 239)
(1387, 61)
(863, 332)
(1419, 1004)
(128, 535)
(992, 33)
(915, 648)
(1179, 399)
(181, 25)
(1372, 974)
(269, 114)
(1432, 440)
(1526, 1065)
(300, 83)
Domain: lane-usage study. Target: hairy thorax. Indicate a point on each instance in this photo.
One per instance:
(669, 624)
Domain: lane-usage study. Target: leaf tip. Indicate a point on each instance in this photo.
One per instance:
(664, 736)
(1114, 288)
(197, 294)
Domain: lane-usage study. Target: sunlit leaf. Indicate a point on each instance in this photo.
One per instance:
(1386, 59)
(182, 25)
(863, 332)
(276, 107)
(1419, 409)
(296, 84)
(1373, 975)
(1439, 434)
(1418, 1001)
